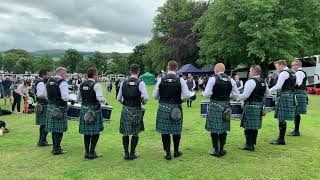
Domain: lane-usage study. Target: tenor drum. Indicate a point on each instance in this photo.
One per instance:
(270, 102)
(106, 112)
(73, 111)
(204, 108)
(236, 108)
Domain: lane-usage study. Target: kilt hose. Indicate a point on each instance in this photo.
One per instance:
(41, 118)
(302, 100)
(56, 125)
(215, 122)
(96, 126)
(126, 128)
(252, 116)
(164, 123)
(285, 107)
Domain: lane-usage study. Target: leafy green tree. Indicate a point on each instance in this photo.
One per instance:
(71, 59)
(137, 56)
(100, 61)
(44, 62)
(84, 65)
(9, 61)
(1, 62)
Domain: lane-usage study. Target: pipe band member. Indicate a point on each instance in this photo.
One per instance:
(255, 89)
(132, 94)
(286, 105)
(91, 95)
(220, 88)
(170, 90)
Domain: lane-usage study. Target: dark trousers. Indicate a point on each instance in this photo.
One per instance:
(189, 103)
(43, 135)
(297, 123)
(166, 141)
(56, 141)
(219, 141)
(90, 142)
(16, 101)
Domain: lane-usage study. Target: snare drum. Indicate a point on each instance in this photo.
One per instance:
(236, 109)
(269, 102)
(106, 112)
(73, 111)
(204, 108)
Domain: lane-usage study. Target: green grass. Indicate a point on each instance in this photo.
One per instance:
(299, 159)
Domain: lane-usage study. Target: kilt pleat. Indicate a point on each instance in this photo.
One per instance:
(302, 99)
(164, 124)
(56, 125)
(96, 126)
(126, 128)
(285, 106)
(215, 122)
(252, 116)
(41, 118)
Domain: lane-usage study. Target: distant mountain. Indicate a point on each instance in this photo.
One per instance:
(59, 53)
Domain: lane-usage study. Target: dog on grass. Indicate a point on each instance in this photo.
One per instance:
(3, 129)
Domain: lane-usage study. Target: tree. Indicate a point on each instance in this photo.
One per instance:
(137, 56)
(44, 62)
(100, 61)
(71, 59)
(9, 61)
(1, 62)
(84, 65)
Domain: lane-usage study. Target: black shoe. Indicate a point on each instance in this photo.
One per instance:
(177, 154)
(94, 155)
(126, 157)
(168, 156)
(59, 152)
(134, 156)
(215, 153)
(87, 156)
(278, 142)
(44, 144)
(247, 148)
(294, 133)
(223, 152)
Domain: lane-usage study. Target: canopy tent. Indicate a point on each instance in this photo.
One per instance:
(148, 78)
(188, 68)
(208, 70)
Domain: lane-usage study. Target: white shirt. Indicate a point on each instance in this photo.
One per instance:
(249, 86)
(97, 89)
(41, 90)
(283, 76)
(241, 84)
(18, 90)
(299, 77)
(185, 93)
(211, 83)
(64, 90)
(142, 89)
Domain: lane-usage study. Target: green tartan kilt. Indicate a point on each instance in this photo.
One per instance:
(126, 128)
(285, 107)
(252, 116)
(164, 124)
(302, 99)
(215, 122)
(94, 127)
(41, 118)
(56, 125)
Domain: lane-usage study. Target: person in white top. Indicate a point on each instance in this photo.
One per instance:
(239, 83)
(17, 94)
(286, 105)
(300, 94)
(219, 88)
(170, 90)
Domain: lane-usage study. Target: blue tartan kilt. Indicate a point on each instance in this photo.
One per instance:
(285, 106)
(215, 122)
(56, 125)
(252, 116)
(302, 100)
(164, 123)
(96, 126)
(41, 118)
(126, 128)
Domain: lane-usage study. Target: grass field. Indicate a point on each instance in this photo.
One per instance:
(299, 159)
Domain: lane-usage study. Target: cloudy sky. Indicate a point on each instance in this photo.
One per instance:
(86, 25)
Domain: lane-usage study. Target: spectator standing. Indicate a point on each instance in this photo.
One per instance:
(6, 90)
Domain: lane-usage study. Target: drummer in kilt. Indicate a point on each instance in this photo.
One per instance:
(132, 94)
(219, 88)
(300, 93)
(170, 90)
(58, 96)
(286, 105)
(254, 91)
(41, 107)
(90, 94)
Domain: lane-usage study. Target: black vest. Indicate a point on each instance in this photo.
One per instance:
(290, 83)
(88, 95)
(258, 92)
(53, 90)
(131, 93)
(238, 84)
(170, 89)
(303, 86)
(222, 88)
(36, 82)
(190, 84)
